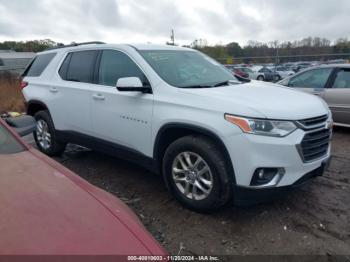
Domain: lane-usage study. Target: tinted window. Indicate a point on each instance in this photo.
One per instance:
(186, 68)
(64, 67)
(1, 62)
(343, 79)
(8, 144)
(114, 65)
(316, 78)
(38, 65)
(80, 67)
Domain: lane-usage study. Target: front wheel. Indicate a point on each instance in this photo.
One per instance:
(195, 173)
(260, 78)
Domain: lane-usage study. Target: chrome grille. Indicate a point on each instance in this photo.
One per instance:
(314, 122)
(315, 144)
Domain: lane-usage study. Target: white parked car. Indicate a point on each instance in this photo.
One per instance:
(181, 114)
(261, 73)
(281, 72)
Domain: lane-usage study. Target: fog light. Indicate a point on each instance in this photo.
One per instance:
(266, 176)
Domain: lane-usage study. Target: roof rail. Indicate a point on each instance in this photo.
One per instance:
(75, 44)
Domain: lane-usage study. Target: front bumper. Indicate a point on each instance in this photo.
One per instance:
(244, 196)
(250, 152)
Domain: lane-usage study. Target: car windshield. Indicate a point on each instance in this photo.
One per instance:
(188, 69)
(8, 144)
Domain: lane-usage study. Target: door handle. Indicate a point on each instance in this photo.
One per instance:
(98, 97)
(53, 90)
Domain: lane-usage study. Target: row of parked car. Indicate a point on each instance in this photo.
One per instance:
(273, 72)
(261, 73)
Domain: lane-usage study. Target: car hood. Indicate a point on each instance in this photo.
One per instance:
(45, 211)
(262, 100)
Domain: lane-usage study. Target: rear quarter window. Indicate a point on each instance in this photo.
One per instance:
(38, 65)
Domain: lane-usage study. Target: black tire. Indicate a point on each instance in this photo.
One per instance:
(277, 78)
(56, 148)
(260, 78)
(221, 191)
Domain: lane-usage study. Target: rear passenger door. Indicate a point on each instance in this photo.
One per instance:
(71, 109)
(123, 118)
(338, 96)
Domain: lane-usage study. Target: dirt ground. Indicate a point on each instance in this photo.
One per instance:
(315, 219)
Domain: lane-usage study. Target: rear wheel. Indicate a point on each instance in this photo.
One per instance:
(195, 173)
(45, 135)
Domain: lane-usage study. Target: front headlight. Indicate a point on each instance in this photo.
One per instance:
(264, 127)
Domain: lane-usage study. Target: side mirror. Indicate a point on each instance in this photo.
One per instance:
(132, 84)
(23, 125)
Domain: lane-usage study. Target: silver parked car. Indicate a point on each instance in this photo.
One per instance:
(332, 83)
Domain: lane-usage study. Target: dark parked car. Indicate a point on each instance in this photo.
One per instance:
(301, 66)
(48, 210)
(237, 71)
(330, 82)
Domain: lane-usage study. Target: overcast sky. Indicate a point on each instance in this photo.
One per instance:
(218, 21)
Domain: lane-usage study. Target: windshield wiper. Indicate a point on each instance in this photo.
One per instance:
(224, 83)
(196, 86)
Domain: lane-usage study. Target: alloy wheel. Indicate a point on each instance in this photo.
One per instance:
(43, 135)
(192, 175)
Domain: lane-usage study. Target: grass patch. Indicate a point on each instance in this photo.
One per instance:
(11, 98)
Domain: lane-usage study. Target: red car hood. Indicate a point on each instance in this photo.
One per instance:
(46, 209)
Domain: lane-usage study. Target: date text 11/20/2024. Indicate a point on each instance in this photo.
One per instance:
(173, 258)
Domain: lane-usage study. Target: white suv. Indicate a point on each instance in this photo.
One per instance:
(181, 114)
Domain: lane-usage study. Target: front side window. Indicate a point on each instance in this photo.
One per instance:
(315, 78)
(343, 79)
(78, 66)
(114, 65)
(8, 144)
(186, 68)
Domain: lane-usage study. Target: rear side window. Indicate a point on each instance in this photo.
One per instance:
(38, 65)
(78, 66)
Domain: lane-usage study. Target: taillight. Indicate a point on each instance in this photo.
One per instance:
(23, 84)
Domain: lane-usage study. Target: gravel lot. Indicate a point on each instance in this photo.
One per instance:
(313, 220)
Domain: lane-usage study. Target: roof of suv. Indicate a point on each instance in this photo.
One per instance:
(136, 46)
